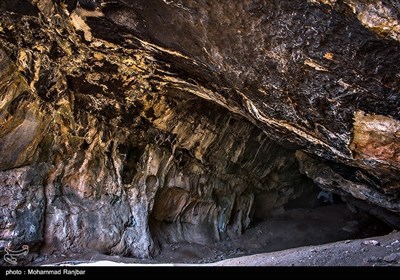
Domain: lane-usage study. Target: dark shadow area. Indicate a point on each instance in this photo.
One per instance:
(316, 217)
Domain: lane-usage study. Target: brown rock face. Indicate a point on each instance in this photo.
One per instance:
(376, 137)
(138, 122)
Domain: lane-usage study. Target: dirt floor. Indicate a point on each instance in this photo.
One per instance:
(266, 242)
(380, 251)
(295, 228)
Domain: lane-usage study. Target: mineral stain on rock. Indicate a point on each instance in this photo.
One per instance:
(376, 137)
(127, 125)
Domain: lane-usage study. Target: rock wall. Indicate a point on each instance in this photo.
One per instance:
(140, 122)
(98, 153)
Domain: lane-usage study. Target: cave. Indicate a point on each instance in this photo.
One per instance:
(196, 132)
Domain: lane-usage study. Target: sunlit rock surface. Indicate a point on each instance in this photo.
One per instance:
(139, 122)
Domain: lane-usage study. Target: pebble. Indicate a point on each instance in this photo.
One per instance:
(371, 242)
(40, 258)
(391, 258)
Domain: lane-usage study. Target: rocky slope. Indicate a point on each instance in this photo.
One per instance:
(381, 251)
(127, 124)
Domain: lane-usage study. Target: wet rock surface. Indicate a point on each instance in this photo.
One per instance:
(127, 125)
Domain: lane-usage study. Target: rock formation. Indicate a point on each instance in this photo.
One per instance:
(127, 123)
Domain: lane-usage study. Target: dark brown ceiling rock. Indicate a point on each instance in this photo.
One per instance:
(303, 71)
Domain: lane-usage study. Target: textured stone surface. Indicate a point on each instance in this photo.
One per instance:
(151, 121)
(22, 207)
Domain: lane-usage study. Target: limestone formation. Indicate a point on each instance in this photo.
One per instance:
(128, 123)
